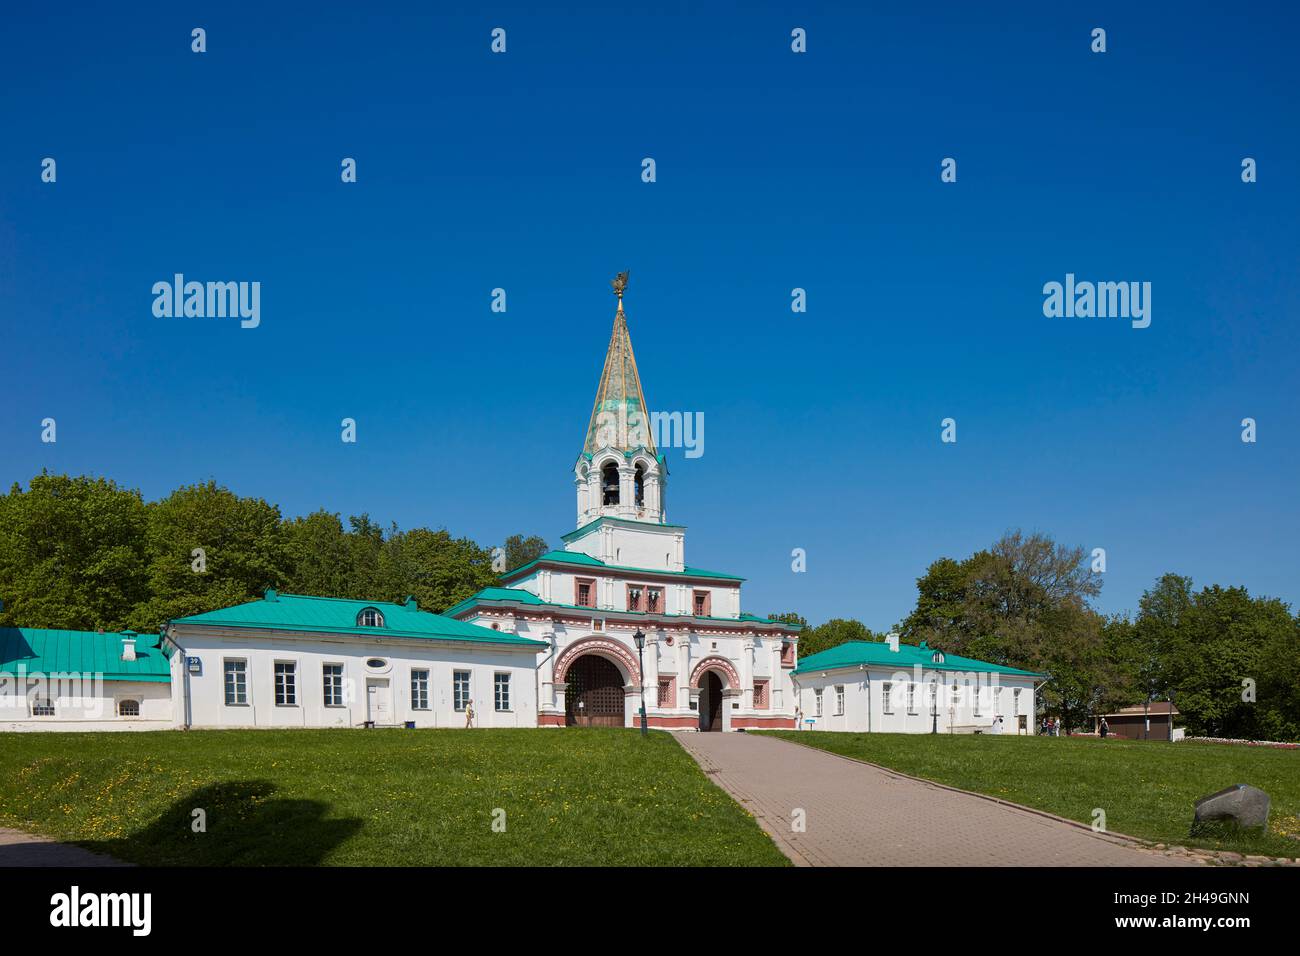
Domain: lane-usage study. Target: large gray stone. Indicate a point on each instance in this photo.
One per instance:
(1241, 804)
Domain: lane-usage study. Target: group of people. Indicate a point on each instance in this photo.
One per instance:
(1050, 727)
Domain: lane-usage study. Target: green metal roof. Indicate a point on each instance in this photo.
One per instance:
(521, 596)
(854, 653)
(82, 652)
(578, 559)
(595, 523)
(297, 612)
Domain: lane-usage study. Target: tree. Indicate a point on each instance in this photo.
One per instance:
(208, 548)
(71, 553)
(833, 633)
(520, 550)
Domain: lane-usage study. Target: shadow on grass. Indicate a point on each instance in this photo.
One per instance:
(243, 824)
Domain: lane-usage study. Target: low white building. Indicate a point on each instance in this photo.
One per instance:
(888, 687)
(295, 661)
(83, 680)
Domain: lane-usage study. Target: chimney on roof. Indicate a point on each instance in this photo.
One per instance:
(892, 640)
(410, 603)
(271, 594)
(128, 645)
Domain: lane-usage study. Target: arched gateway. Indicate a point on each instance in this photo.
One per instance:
(597, 670)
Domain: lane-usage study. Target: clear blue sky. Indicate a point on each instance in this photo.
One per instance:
(775, 170)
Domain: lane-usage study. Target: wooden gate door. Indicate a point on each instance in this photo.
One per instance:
(595, 694)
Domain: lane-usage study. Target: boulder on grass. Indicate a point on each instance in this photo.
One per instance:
(1242, 804)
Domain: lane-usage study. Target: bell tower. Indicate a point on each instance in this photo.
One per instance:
(620, 473)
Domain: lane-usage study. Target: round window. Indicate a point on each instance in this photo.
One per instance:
(376, 662)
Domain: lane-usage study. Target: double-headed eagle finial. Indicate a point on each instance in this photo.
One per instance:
(619, 282)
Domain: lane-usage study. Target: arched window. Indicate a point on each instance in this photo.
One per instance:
(609, 483)
(639, 485)
(128, 708)
(370, 617)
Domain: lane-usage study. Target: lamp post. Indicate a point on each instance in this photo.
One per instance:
(934, 706)
(640, 657)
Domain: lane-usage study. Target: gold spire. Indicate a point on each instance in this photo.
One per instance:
(619, 417)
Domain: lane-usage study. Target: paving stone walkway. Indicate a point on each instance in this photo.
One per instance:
(23, 849)
(860, 815)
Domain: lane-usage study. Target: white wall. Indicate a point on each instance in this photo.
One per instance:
(310, 652)
(91, 705)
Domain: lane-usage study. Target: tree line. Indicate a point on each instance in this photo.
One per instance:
(1229, 661)
(83, 553)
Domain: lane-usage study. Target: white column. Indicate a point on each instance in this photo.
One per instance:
(627, 490)
(650, 675)
(683, 645)
(747, 673)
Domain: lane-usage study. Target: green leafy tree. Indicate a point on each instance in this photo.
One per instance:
(520, 550)
(208, 548)
(71, 553)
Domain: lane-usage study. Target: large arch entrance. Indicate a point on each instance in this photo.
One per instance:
(595, 694)
(710, 702)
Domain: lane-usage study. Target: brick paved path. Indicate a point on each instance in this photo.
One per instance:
(23, 849)
(859, 815)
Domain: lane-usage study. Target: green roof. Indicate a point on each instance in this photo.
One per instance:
(82, 652)
(521, 596)
(583, 530)
(298, 612)
(855, 653)
(578, 559)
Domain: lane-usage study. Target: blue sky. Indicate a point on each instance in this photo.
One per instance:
(774, 171)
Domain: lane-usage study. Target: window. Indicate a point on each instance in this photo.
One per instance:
(584, 592)
(997, 700)
(286, 684)
(460, 689)
(634, 592)
(638, 485)
(128, 708)
(42, 707)
(760, 695)
(236, 683)
(839, 700)
(609, 484)
(787, 653)
(975, 701)
(885, 691)
(420, 690)
(667, 692)
(1015, 702)
(370, 617)
(911, 698)
(333, 681)
(956, 699)
(654, 600)
(817, 703)
(701, 604)
(501, 691)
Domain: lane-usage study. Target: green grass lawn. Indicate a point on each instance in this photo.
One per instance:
(378, 797)
(1147, 788)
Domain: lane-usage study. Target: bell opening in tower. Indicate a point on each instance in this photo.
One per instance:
(609, 484)
(639, 485)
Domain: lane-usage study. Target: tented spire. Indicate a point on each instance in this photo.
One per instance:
(619, 417)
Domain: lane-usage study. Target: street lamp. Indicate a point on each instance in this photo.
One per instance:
(640, 657)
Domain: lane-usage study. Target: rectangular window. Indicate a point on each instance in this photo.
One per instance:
(817, 703)
(839, 700)
(1015, 702)
(885, 691)
(42, 707)
(236, 683)
(911, 698)
(332, 675)
(956, 696)
(787, 654)
(460, 689)
(668, 692)
(654, 600)
(286, 684)
(419, 690)
(702, 604)
(760, 695)
(634, 592)
(584, 592)
(997, 701)
(501, 691)
(975, 701)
